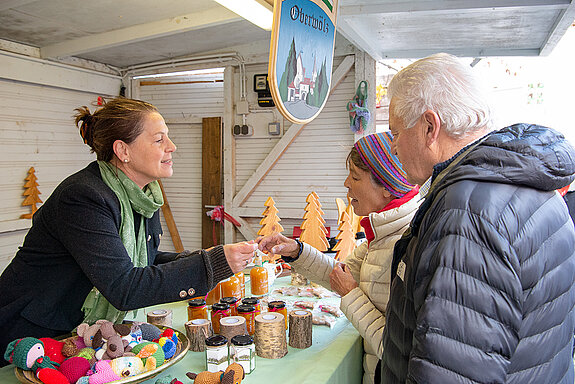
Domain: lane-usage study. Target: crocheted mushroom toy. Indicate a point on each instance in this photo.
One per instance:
(28, 354)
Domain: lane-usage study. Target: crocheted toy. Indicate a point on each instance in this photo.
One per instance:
(74, 368)
(110, 339)
(134, 338)
(126, 366)
(234, 374)
(169, 341)
(87, 332)
(28, 354)
(101, 374)
(149, 331)
(151, 354)
(53, 349)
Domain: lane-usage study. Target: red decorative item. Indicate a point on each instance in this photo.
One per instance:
(218, 214)
(100, 101)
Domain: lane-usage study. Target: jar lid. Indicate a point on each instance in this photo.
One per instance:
(196, 302)
(216, 340)
(220, 306)
(251, 300)
(246, 308)
(276, 304)
(229, 300)
(242, 340)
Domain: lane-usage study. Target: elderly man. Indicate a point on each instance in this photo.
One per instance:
(483, 286)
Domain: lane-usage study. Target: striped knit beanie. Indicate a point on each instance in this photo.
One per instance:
(375, 151)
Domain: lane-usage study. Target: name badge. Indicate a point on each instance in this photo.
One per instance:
(401, 270)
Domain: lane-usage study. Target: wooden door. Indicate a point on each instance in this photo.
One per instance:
(212, 191)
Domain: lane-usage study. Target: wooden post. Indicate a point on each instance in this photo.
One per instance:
(167, 212)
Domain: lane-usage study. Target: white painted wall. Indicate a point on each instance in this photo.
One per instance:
(37, 101)
(183, 101)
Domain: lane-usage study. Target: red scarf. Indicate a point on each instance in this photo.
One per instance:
(369, 234)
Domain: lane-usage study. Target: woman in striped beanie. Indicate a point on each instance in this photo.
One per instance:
(379, 191)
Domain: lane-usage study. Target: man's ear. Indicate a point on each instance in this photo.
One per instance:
(432, 126)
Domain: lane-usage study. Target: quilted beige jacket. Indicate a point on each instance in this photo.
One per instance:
(370, 265)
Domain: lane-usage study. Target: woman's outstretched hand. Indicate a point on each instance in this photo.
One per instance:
(239, 255)
(278, 244)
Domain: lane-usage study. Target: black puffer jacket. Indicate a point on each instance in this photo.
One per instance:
(484, 283)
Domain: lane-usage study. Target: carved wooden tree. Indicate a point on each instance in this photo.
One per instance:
(355, 219)
(346, 238)
(31, 193)
(313, 231)
(270, 224)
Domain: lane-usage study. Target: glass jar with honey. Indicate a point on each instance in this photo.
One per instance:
(248, 312)
(241, 276)
(219, 311)
(279, 306)
(259, 278)
(214, 295)
(233, 302)
(255, 302)
(197, 309)
(231, 287)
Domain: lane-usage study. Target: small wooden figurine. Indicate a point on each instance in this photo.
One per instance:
(31, 192)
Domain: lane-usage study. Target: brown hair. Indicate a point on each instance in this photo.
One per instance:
(354, 158)
(119, 119)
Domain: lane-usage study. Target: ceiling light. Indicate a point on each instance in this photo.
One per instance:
(256, 11)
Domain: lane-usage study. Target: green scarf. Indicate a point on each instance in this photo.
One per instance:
(145, 202)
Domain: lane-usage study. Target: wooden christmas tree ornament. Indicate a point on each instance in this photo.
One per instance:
(345, 238)
(270, 224)
(31, 193)
(313, 231)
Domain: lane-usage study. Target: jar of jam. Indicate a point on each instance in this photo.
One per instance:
(233, 302)
(255, 302)
(241, 276)
(197, 309)
(279, 306)
(214, 295)
(219, 311)
(248, 312)
(259, 278)
(231, 287)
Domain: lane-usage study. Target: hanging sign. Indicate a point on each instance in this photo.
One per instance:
(301, 56)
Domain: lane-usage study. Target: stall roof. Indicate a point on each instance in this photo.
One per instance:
(131, 32)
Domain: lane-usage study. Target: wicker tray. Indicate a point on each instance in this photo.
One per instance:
(28, 377)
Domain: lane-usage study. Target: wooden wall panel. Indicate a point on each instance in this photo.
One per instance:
(36, 130)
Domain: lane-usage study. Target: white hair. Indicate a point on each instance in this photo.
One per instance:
(443, 84)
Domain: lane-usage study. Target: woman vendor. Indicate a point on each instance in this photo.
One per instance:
(378, 190)
(92, 251)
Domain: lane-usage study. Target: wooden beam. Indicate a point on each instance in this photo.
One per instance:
(184, 23)
(246, 229)
(372, 9)
(9, 4)
(169, 217)
(229, 154)
(278, 150)
(559, 28)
